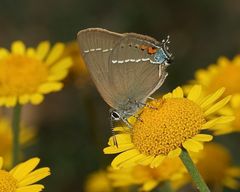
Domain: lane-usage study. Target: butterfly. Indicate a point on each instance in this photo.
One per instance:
(126, 68)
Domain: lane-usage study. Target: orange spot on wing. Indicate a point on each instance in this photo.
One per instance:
(152, 50)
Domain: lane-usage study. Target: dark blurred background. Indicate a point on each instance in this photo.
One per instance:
(73, 124)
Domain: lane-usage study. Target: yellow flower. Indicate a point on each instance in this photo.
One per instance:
(224, 73)
(171, 169)
(79, 71)
(231, 109)
(26, 74)
(98, 182)
(171, 124)
(26, 135)
(215, 166)
(22, 177)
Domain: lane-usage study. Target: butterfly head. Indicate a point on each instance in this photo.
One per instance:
(163, 55)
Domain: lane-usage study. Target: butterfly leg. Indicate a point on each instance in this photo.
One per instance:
(151, 98)
(146, 105)
(136, 116)
(126, 122)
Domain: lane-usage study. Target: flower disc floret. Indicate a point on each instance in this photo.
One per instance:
(20, 75)
(168, 126)
(7, 182)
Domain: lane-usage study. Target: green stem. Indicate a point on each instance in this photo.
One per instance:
(16, 131)
(193, 171)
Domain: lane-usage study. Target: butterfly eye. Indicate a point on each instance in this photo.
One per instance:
(115, 116)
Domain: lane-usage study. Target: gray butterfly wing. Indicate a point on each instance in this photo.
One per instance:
(133, 75)
(95, 46)
(142, 39)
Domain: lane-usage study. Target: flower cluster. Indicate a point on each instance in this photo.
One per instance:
(182, 120)
(26, 75)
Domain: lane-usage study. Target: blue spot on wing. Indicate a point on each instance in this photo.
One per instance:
(160, 56)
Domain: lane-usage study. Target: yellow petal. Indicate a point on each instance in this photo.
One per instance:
(175, 153)
(3, 53)
(31, 188)
(18, 47)
(35, 176)
(157, 161)
(50, 87)
(36, 98)
(123, 157)
(227, 111)
(212, 98)
(147, 161)
(58, 76)
(203, 137)
(209, 124)
(23, 169)
(55, 53)
(217, 106)
(1, 163)
(61, 65)
(177, 176)
(222, 131)
(11, 101)
(168, 95)
(236, 60)
(149, 185)
(133, 161)
(231, 183)
(225, 119)
(121, 129)
(122, 139)
(117, 149)
(195, 93)
(192, 145)
(132, 120)
(233, 171)
(30, 52)
(2, 101)
(223, 61)
(202, 76)
(24, 99)
(177, 93)
(235, 101)
(42, 50)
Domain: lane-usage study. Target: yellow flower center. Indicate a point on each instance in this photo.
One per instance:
(7, 182)
(226, 77)
(20, 74)
(164, 129)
